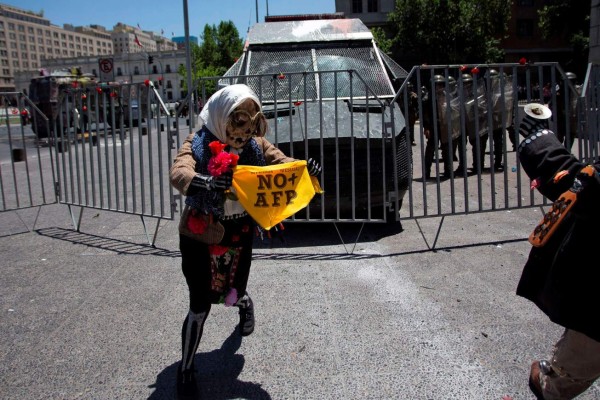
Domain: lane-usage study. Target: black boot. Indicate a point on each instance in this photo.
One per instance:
(246, 315)
(187, 389)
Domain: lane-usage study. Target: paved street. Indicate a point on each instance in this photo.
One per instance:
(97, 314)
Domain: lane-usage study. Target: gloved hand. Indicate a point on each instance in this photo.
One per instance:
(207, 182)
(314, 168)
(587, 198)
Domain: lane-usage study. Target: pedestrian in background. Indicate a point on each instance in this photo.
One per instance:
(216, 233)
(561, 276)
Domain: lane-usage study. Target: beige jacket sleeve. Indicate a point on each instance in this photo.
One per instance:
(183, 169)
(272, 154)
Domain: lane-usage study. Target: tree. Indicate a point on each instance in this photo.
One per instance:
(571, 19)
(449, 31)
(220, 48)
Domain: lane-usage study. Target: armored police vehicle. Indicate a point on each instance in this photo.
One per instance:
(327, 91)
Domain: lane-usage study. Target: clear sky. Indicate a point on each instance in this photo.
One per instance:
(167, 15)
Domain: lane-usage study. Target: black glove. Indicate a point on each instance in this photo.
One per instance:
(587, 198)
(314, 168)
(207, 182)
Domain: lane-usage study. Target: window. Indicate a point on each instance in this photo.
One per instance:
(525, 28)
(119, 71)
(373, 6)
(136, 70)
(168, 69)
(357, 6)
(154, 69)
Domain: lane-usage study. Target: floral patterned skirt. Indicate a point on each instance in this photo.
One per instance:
(212, 271)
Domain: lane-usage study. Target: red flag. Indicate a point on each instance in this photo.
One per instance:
(137, 41)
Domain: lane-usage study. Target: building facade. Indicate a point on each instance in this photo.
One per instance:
(29, 42)
(27, 39)
(127, 68)
(371, 12)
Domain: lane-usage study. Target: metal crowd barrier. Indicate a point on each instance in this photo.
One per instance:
(115, 155)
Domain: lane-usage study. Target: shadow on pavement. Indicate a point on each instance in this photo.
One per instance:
(216, 373)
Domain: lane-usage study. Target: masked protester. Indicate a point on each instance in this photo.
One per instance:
(561, 274)
(217, 234)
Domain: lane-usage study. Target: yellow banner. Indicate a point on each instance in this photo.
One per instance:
(271, 194)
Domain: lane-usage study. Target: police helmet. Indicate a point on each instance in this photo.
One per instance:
(467, 78)
(493, 72)
(439, 79)
(571, 76)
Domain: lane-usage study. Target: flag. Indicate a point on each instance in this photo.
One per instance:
(271, 194)
(137, 41)
(138, 25)
(162, 32)
(172, 34)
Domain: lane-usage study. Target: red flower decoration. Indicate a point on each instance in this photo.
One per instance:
(99, 89)
(147, 82)
(281, 76)
(297, 103)
(221, 161)
(196, 225)
(475, 71)
(217, 250)
(216, 147)
(523, 61)
(463, 68)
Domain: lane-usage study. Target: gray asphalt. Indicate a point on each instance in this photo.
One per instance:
(341, 314)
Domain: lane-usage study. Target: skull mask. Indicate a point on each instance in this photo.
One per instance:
(243, 123)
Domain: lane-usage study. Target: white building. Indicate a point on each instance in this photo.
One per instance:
(29, 42)
(127, 68)
(27, 39)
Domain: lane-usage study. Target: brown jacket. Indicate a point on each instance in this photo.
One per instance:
(183, 169)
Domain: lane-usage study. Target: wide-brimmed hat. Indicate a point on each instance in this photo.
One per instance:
(537, 111)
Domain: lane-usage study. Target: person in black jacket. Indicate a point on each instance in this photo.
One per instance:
(561, 277)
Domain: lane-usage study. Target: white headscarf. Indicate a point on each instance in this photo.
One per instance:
(218, 107)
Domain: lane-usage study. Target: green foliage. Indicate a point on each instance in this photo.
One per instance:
(381, 39)
(571, 20)
(449, 31)
(220, 48)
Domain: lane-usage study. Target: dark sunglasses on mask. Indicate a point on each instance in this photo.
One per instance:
(243, 121)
